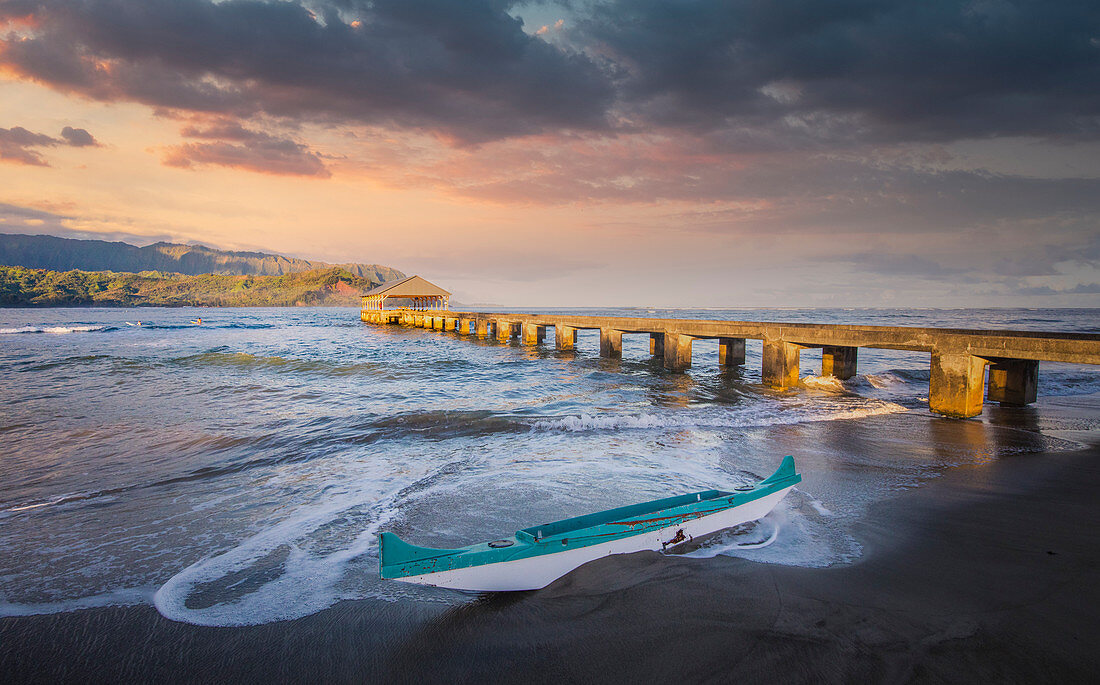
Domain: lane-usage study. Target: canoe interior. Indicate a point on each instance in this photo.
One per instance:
(630, 511)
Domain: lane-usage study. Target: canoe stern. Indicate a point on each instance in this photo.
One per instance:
(786, 474)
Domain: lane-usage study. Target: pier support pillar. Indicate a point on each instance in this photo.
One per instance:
(780, 368)
(956, 385)
(565, 338)
(1013, 382)
(463, 327)
(657, 344)
(532, 334)
(731, 351)
(482, 328)
(450, 324)
(838, 361)
(504, 331)
(611, 343)
(438, 323)
(677, 351)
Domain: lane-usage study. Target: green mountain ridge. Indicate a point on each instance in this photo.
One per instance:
(23, 287)
(66, 254)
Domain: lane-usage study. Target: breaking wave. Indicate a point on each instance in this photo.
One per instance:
(748, 418)
(55, 330)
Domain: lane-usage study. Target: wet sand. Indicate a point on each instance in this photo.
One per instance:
(988, 573)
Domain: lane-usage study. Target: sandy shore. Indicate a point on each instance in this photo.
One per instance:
(988, 573)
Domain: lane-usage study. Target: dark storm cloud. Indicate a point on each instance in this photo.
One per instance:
(894, 70)
(464, 68)
(17, 144)
(235, 146)
(765, 74)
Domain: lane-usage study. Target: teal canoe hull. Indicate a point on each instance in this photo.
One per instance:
(583, 537)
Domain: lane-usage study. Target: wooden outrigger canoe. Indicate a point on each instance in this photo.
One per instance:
(536, 556)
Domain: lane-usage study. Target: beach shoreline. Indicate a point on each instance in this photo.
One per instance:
(987, 572)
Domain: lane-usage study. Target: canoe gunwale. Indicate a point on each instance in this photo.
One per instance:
(558, 529)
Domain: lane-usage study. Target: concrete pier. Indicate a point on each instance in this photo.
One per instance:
(839, 361)
(657, 344)
(956, 386)
(611, 343)
(530, 334)
(780, 368)
(731, 351)
(677, 351)
(565, 337)
(959, 357)
(1013, 382)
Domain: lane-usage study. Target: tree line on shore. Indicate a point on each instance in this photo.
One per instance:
(23, 287)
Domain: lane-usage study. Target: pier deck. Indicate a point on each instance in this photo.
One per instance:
(959, 357)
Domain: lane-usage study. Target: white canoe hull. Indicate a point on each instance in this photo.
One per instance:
(536, 572)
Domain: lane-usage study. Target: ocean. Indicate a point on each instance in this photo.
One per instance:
(238, 472)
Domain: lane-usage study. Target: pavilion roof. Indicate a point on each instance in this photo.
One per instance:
(410, 286)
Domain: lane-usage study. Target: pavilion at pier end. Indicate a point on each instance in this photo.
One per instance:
(411, 293)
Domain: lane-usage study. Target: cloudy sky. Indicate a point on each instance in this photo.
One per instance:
(628, 152)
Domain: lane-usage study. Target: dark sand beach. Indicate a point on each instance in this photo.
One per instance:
(988, 573)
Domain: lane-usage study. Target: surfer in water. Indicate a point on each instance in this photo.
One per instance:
(197, 322)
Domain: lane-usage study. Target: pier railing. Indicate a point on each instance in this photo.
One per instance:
(959, 357)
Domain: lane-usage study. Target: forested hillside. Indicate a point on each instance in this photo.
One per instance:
(24, 287)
